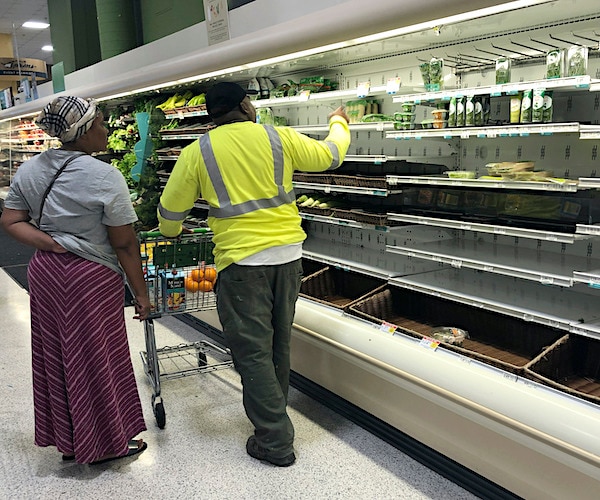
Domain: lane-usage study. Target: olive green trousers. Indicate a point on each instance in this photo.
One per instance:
(256, 306)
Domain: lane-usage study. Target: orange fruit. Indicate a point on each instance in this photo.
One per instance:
(210, 274)
(205, 286)
(197, 274)
(192, 285)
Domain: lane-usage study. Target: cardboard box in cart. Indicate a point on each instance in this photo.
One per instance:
(173, 288)
(153, 286)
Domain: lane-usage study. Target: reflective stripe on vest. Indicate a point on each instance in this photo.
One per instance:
(226, 209)
(335, 162)
(173, 216)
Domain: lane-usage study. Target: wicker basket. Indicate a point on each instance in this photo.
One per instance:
(501, 341)
(310, 267)
(184, 109)
(324, 212)
(312, 178)
(338, 288)
(571, 364)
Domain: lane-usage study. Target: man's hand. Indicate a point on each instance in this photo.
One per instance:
(339, 112)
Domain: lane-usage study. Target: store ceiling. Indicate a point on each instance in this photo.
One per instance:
(29, 42)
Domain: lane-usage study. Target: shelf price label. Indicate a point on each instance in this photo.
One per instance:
(496, 91)
(582, 82)
(304, 96)
(363, 89)
(393, 85)
(429, 343)
(388, 327)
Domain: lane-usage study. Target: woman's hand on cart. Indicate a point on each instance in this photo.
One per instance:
(142, 308)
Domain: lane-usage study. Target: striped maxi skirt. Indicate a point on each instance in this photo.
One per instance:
(85, 395)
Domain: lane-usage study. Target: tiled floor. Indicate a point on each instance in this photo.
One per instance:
(200, 453)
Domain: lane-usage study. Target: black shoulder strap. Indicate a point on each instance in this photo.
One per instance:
(59, 171)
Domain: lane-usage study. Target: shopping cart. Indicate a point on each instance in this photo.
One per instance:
(180, 276)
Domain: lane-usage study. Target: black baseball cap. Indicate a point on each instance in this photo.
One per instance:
(225, 96)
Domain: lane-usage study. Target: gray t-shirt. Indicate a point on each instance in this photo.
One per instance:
(85, 198)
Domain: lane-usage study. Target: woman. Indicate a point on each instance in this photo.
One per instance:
(86, 401)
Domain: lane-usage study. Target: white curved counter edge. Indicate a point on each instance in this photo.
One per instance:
(531, 439)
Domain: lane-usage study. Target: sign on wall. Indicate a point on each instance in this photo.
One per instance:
(217, 21)
(11, 66)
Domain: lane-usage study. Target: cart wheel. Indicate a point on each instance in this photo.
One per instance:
(202, 359)
(159, 413)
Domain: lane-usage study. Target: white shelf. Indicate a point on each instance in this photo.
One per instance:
(488, 228)
(590, 132)
(334, 95)
(589, 182)
(185, 114)
(363, 260)
(563, 187)
(377, 159)
(591, 278)
(592, 230)
(570, 83)
(547, 268)
(356, 127)
(337, 221)
(490, 132)
(328, 188)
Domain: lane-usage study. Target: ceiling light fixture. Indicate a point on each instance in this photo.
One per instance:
(35, 25)
(48, 48)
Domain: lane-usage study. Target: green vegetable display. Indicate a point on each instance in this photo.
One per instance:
(577, 57)
(537, 111)
(554, 64)
(502, 70)
(436, 76)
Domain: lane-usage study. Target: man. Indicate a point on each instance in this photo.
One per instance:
(244, 170)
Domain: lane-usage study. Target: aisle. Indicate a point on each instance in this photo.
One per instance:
(200, 453)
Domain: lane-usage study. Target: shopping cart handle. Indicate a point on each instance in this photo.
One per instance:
(155, 234)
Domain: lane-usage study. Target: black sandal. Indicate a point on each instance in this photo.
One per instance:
(134, 448)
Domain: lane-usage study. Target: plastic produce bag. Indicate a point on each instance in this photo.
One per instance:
(449, 334)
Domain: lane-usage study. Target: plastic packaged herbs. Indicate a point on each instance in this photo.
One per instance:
(577, 60)
(548, 107)
(452, 112)
(460, 111)
(526, 106)
(470, 111)
(479, 118)
(515, 108)
(436, 74)
(424, 68)
(502, 70)
(537, 106)
(554, 64)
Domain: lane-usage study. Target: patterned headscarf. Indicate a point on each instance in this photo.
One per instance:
(67, 117)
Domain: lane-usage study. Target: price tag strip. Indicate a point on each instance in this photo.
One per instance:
(429, 343)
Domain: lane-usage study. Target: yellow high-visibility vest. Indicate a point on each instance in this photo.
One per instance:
(244, 171)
